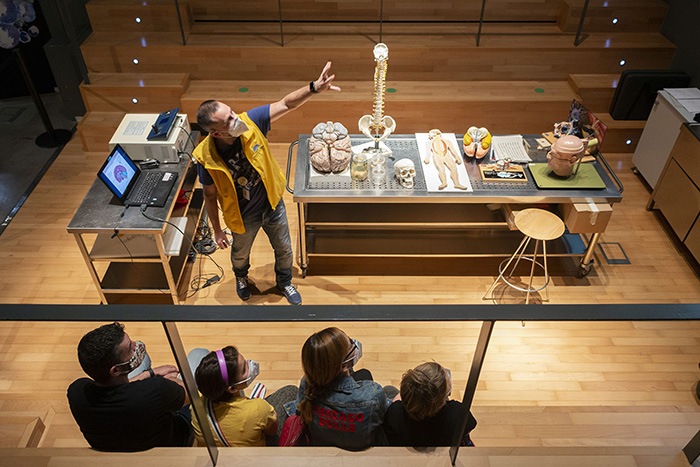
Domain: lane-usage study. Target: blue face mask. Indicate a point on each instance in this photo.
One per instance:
(354, 355)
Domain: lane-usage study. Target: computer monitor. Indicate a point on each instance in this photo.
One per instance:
(636, 91)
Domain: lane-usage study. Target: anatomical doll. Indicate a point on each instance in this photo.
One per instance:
(445, 157)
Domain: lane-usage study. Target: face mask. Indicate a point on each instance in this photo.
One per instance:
(253, 372)
(237, 128)
(356, 352)
(449, 378)
(136, 359)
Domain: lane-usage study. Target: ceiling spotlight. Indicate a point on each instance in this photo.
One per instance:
(614, 20)
(136, 61)
(622, 62)
(135, 100)
(629, 141)
(138, 20)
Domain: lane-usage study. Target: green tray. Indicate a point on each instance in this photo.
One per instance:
(586, 177)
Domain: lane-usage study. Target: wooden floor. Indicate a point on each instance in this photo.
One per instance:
(545, 384)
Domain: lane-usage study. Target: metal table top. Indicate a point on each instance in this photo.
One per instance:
(100, 211)
(334, 189)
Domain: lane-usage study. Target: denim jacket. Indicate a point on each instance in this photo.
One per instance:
(348, 415)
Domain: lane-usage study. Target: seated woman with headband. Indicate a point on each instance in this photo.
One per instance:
(339, 410)
(235, 419)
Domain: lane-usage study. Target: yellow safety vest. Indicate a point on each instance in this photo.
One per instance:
(258, 153)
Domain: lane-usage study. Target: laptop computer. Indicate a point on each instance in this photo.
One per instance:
(131, 185)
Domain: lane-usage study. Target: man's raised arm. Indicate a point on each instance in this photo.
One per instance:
(295, 98)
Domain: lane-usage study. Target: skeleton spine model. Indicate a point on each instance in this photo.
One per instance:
(378, 126)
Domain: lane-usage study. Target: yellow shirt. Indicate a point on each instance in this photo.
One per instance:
(242, 421)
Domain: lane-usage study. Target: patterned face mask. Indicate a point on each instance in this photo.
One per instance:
(253, 372)
(136, 359)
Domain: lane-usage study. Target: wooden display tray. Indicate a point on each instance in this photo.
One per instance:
(514, 173)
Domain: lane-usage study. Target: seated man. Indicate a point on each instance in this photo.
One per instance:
(425, 415)
(118, 414)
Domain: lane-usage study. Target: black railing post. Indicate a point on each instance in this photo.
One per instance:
(187, 377)
(279, 8)
(381, 19)
(179, 19)
(481, 21)
(580, 24)
(477, 363)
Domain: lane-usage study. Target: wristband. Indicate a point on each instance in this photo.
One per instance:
(150, 372)
(312, 87)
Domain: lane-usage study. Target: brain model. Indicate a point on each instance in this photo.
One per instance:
(329, 148)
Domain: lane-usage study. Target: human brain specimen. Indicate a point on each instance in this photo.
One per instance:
(329, 148)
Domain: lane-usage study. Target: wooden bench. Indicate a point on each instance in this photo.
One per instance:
(595, 90)
(412, 57)
(631, 15)
(114, 92)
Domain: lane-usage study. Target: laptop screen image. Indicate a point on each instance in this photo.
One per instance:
(119, 172)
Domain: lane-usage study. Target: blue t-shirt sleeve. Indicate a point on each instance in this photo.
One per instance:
(204, 177)
(261, 117)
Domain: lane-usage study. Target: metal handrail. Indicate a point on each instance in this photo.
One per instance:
(168, 315)
(611, 172)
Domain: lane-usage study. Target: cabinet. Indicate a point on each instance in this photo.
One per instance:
(659, 136)
(134, 259)
(677, 194)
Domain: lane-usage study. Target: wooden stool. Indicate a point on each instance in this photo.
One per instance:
(542, 226)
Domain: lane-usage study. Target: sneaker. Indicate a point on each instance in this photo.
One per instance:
(291, 294)
(242, 288)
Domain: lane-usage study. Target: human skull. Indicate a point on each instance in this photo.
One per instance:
(405, 172)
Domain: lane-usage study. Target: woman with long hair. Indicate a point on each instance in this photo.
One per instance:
(337, 409)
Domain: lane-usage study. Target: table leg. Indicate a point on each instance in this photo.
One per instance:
(303, 254)
(91, 268)
(586, 261)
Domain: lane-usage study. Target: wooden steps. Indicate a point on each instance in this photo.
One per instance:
(412, 57)
(631, 15)
(595, 90)
(154, 15)
(369, 10)
(642, 456)
(619, 132)
(503, 107)
(114, 92)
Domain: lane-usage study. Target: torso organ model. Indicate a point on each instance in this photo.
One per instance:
(378, 126)
(444, 157)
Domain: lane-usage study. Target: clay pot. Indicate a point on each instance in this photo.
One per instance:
(565, 152)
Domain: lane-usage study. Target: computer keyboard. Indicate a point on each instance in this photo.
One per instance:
(145, 191)
(509, 147)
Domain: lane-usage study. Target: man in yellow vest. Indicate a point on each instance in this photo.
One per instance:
(240, 175)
